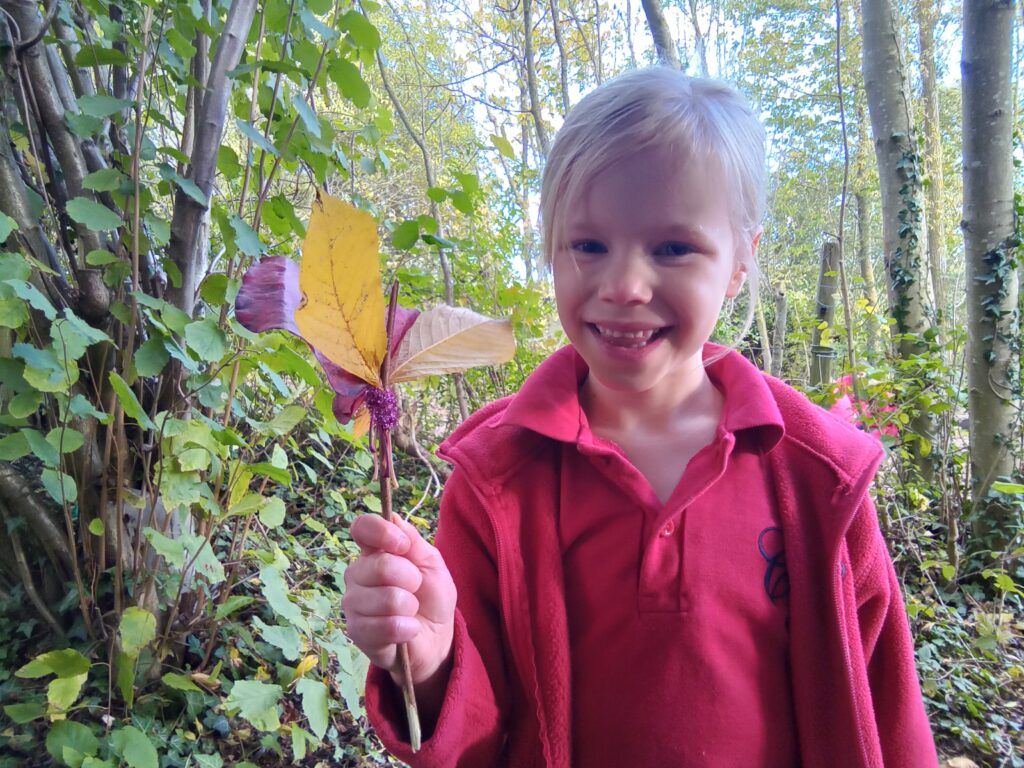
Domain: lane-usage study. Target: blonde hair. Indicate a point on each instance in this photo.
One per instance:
(659, 106)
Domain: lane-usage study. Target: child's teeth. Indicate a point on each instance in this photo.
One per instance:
(627, 338)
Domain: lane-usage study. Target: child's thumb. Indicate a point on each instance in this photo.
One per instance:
(421, 553)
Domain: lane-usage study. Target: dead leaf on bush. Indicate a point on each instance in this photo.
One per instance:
(959, 762)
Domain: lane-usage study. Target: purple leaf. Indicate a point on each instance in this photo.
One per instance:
(270, 296)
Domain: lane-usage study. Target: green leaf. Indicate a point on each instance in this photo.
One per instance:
(129, 402)
(437, 194)
(180, 682)
(125, 666)
(44, 371)
(257, 138)
(63, 663)
(28, 292)
(13, 313)
(214, 288)
(93, 215)
(346, 76)
(504, 146)
(286, 419)
(309, 118)
(134, 747)
(362, 30)
(275, 590)
(91, 55)
(105, 180)
(1004, 487)
(246, 239)
(64, 691)
(208, 761)
(181, 44)
(25, 713)
(285, 637)
(137, 629)
(99, 258)
(101, 105)
(314, 705)
(65, 439)
(405, 235)
(272, 512)
(187, 186)
(228, 163)
(69, 734)
(25, 404)
(257, 703)
(171, 550)
(151, 357)
(13, 447)
(96, 527)
(232, 604)
(61, 487)
(206, 339)
(194, 459)
(7, 225)
(81, 125)
(72, 336)
(43, 450)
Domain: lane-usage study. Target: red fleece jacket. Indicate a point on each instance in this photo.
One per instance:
(856, 695)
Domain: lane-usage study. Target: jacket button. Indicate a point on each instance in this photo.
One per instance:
(669, 529)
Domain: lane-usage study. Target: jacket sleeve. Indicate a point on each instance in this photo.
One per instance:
(470, 727)
(888, 651)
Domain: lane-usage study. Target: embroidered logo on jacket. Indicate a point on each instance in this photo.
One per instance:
(776, 577)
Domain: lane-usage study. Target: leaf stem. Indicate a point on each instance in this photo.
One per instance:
(385, 474)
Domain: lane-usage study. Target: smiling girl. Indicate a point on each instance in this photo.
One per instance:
(653, 554)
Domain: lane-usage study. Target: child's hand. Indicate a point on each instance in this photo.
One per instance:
(399, 591)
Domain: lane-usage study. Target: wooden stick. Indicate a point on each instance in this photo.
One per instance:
(385, 472)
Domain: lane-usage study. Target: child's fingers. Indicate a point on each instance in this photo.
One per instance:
(377, 636)
(373, 532)
(381, 569)
(381, 601)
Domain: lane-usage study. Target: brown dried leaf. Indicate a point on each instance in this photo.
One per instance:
(450, 340)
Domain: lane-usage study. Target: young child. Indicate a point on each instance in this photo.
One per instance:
(652, 555)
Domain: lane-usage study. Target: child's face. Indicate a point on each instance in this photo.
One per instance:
(647, 258)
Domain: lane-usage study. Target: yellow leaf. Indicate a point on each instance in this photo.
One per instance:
(343, 313)
(449, 340)
(305, 665)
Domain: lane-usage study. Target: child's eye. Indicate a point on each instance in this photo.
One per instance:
(673, 249)
(588, 246)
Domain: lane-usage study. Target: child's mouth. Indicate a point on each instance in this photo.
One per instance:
(628, 339)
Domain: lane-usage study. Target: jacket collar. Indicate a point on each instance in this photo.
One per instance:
(548, 402)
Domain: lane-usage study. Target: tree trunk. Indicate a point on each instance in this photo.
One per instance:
(563, 62)
(779, 332)
(188, 215)
(822, 354)
(702, 54)
(766, 340)
(867, 272)
(927, 16)
(664, 45)
(531, 78)
(901, 183)
(988, 225)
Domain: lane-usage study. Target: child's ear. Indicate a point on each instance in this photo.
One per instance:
(736, 281)
(740, 272)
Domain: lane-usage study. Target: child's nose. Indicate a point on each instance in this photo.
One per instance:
(626, 279)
